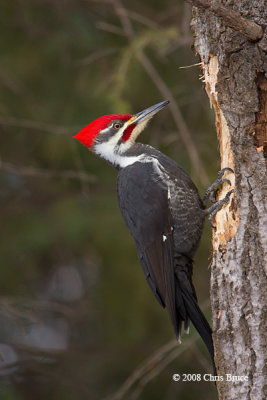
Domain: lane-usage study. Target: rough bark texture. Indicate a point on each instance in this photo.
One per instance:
(235, 75)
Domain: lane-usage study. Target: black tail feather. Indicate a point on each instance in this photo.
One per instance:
(199, 321)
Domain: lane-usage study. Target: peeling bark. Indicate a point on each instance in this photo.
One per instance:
(235, 76)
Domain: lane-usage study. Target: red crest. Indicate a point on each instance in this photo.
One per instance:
(88, 134)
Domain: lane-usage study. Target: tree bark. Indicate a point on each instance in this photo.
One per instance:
(235, 76)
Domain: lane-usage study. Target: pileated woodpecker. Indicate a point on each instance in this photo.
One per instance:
(162, 209)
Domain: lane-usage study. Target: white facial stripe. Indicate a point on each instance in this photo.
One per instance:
(115, 138)
(106, 151)
(135, 133)
(113, 152)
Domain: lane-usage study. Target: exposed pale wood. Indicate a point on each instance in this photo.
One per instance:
(234, 74)
(227, 218)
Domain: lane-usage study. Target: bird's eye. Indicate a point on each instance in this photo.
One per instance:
(117, 126)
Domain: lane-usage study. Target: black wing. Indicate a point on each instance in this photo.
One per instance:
(168, 266)
(143, 200)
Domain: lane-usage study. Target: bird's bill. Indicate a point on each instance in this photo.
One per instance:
(148, 113)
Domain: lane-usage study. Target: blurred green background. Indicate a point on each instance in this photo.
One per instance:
(77, 318)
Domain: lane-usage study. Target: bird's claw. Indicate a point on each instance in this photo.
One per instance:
(209, 195)
(226, 181)
(223, 170)
(217, 206)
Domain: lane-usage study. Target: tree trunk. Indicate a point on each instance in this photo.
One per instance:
(235, 70)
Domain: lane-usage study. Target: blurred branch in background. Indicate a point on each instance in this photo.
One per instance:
(153, 365)
(46, 173)
(9, 82)
(166, 93)
(60, 68)
(145, 369)
(96, 55)
(35, 125)
(174, 354)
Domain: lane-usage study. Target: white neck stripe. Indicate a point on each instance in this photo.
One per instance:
(106, 151)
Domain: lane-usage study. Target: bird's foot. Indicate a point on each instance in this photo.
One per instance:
(210, 196)
(212, 210)
(210, 192)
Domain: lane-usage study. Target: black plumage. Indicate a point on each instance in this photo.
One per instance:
(162, 209)
(165, 214)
